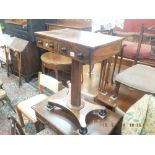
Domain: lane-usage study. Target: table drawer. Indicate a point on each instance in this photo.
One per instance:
(75, 51)
(46, 44)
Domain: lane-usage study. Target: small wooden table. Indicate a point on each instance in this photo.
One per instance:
(63, 123)
(82, 47)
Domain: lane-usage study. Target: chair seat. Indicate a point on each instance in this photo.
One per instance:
(52, 58)
(140, 77)
(25, 106)
(2, 94)
(46, 131)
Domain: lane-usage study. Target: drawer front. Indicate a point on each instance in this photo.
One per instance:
(46, 44)
(76, 52)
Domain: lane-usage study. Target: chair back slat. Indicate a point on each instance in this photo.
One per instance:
(141, 38)
(49, 82)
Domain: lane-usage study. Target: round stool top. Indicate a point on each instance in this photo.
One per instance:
(56, 59)
(2, 93)
(1, 83)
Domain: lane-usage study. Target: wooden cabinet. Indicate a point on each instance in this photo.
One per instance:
(25, 58)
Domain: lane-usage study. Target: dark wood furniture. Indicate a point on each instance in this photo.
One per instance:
(63, 123)
(82, 47)
(79, 24)
(25, 58)
(25, 55)
(25, 28)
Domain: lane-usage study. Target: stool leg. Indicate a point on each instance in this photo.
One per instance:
(56, 74)
(82, 75)
(20, 117)
(9, 103)
(43, 69)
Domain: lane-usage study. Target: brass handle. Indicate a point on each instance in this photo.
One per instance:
(51, 45)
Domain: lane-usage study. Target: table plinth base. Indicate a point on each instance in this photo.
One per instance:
(79, 113)
(70, 106)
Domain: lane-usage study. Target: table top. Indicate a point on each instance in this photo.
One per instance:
(63, 123)
(85, 38)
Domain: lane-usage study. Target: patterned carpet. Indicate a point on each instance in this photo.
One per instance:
(16, 95)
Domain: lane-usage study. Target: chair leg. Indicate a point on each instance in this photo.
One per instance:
(115, 62)
(117, 89)
(107, 75)
(43, 69)
(117, 86)
(91, 67)
(9, 103)
(56, 74)
(20, 117)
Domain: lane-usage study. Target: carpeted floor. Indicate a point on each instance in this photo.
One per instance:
(17, 94)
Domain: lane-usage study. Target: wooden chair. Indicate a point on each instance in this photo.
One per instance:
(16, 129)
(5, 58)
(24, 107)
(139, 76)
(56, 62)
(4, 98)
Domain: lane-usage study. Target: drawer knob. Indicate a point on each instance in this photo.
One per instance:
(51, 45)
(39, 42)
(64, 50)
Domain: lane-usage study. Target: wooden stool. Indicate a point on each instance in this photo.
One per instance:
(4, 97)
(55, 62)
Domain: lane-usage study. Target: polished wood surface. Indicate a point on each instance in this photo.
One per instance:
(55, 119)
(88, 39)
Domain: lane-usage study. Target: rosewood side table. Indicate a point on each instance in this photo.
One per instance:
(82, 47)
